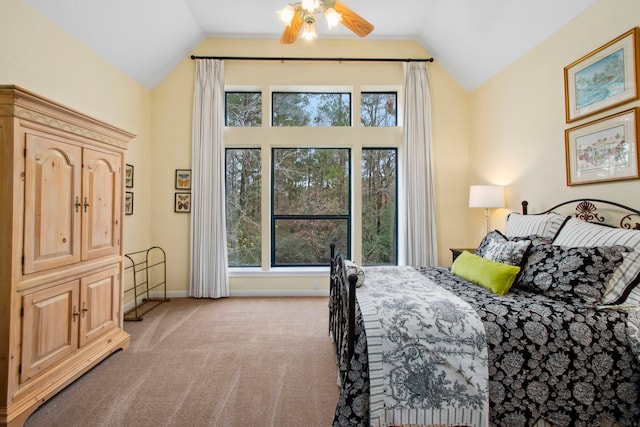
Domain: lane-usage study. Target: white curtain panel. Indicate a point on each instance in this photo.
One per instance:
(420, 226)
(209, 277)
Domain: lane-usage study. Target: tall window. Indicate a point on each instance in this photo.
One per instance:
(379, 109)
(379, 206)
(243, 206)
(311, 193)
(311, 109)
(311, 188)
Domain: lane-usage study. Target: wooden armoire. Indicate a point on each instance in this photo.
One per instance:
(61, 252)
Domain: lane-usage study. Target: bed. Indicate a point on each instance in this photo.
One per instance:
(541, 326)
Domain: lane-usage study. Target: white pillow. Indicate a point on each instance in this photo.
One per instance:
(623, 285)
(544, 225)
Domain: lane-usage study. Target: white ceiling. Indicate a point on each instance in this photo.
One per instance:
(471, 39)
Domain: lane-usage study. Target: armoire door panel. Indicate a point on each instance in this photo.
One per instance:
(99, 304)
(51, 218)
(101, 204)
(49, 327)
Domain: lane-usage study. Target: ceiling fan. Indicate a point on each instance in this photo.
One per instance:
(303, 15)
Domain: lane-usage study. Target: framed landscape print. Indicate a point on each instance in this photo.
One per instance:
(603, 150)
(182, 202)
(183, 179)
(604, 78)
(128, 203)
(128, 176)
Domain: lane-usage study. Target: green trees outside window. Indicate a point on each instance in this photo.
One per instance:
(243, 206)
(310, 192)
(379, 109)
(311, 207)
(379, 206)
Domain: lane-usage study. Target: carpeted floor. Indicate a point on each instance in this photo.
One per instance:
(192, 362)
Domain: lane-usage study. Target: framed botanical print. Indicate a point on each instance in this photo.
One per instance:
(604, 78)
(182, 202)
(603, 150)
(183, 179)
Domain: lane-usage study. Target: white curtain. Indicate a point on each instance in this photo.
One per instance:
(419, 225)
(209, 268)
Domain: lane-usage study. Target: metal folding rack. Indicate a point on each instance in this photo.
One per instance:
(148, 272)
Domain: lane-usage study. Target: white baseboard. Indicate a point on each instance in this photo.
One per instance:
(240, 293)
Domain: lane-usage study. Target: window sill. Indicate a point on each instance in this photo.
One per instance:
(278, 272)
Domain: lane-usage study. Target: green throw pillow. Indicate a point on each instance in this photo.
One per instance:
(491, 275)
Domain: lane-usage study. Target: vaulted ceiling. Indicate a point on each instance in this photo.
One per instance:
(471, 39)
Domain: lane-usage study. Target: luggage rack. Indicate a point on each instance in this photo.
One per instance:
(148, 270)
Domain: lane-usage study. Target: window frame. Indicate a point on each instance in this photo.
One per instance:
(343, 217)
(312, 92)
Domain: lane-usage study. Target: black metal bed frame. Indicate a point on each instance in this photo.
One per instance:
(342, 290)
(342, 308)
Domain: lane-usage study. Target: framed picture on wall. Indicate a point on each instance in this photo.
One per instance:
(604, 78)
(183, 179)
(128, 176)
(182, 202)
(128, 203)
(603, 150)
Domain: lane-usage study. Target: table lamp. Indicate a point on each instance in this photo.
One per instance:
(486, 196)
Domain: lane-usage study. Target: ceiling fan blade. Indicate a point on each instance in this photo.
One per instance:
(353, 21)
(291, 32)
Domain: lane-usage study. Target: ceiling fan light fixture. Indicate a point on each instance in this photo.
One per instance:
(309, 30)
(286, 14)
(333, 17)
(310, 5)
(300, 18)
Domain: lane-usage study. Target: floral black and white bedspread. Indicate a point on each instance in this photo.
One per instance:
(568, 365)
(427, 355)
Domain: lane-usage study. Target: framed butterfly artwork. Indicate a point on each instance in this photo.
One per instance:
(182, 203)
(183, 179)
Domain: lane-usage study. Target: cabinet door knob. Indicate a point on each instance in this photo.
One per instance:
(78, 204)
(86, 204)
(75, 313)
(84, 308)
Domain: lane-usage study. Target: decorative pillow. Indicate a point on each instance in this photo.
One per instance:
(493, 276)
(492, 236)
(352, 268)
(545, 225)
(568, 274)
(623, 285)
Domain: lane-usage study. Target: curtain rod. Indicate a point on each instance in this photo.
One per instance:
(262, 58)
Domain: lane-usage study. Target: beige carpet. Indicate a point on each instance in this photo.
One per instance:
(228, 362)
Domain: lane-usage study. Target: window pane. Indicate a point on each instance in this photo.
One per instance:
(243, 109)
(311, 109)
(379, 206)
(243, 183)
(379, 109)
(306, 241)
(311, 181)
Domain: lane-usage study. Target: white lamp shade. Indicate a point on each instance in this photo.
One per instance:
(486, 196)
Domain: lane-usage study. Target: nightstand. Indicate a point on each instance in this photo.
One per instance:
(457, 251)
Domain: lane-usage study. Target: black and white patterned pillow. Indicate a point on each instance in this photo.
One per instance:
(492, 236)
(568, 274)
(624, 284)
(496, 247)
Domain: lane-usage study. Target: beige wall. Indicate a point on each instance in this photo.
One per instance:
(172, 105)
(39, 56)
(518, 118)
